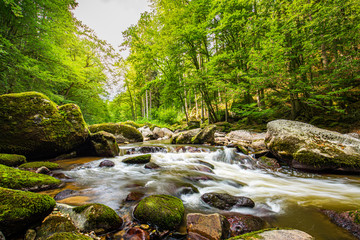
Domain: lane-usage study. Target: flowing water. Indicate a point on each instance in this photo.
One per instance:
(285, 198)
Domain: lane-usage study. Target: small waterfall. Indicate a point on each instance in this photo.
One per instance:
(229, 155)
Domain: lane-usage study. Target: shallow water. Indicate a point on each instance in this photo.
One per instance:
(284, 198)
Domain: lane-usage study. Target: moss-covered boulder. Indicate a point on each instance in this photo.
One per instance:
(54, 224)
(163, 211)
(142, 159)
(185, 136)
(68, 236)
(306, 147)
(12, 160)
(122, 132)
(207, 135)
(24, 180)
(36, 165)
(104, 144)
(34, 126)
(133, 124)
(98, 218)
(18, 210)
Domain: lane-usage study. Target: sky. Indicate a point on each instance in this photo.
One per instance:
(109, 18)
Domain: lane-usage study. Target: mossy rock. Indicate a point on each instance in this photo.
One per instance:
(18, 210)
(205, 136)
(185, 137)
(35, 165)
(68, 236)
(54, 224)
(34, 126)
(223, 126)
(122, 132)
(25, 180)
(133, 124)
(104, 144)
(12, 160)
(142, 159)
(98, 218)
(163, 211)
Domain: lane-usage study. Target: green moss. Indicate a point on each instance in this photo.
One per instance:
(355, 215)
(126, 131)
(19, 179)
(204, 136)
(19, 209)
(164, 211)
(255, 235)
(54, 224)
(12, 160)
(99, 218)
(133, 124)
(34, 165)
(142, 159)
(68, 236)
(104, 144)
(34, 126)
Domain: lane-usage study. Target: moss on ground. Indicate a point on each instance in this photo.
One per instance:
(19, 179)
(34, 165)
(19, 209)
(164, 211)
(142, 159)
(12, 160)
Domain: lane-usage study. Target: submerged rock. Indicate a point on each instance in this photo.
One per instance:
(226, 201)
(24, 180)
(163, 211)
(122, 132)
(306, 147)
(349, 220)
(136, 233)
(65, 194)
(18, 210)
(211, 226)
(107, 163)
(142, 159)
(145, 149)
(152, 165)
(12, 160)
(241, 223)
(34, 126)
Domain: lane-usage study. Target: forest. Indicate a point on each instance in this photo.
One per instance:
(241, 61)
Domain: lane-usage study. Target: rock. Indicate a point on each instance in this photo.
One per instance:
(68, 236)
(349, 220)
(43, 170)
(276, 235)
(122, 132)
(136, 233)
(142, 159)
(205, 136)
(54, 224)
(247, 139)
(133, 124)
(197, 178)
(241, 223)
(145, 149)
(187, 189)
(223, 126)
(34, 126)
(134, 196)
(268, 163)
(12, 160)
(147, 133)
(97, 217)
(209, 165)
(107, 163)
(306, 147)
(163, 211)
(30, 234)
(104, 144)
(36, 165)
(24, 180)
(152, 165)
(202, 169)
(163, 133)
(185, 137)
(65, 194)
(226, 201)
(18, 210)
(211, 227)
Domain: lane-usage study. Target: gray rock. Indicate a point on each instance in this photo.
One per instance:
(248, 139)
(307, 147)
(226, 201)
(147, 133)
(284, 235)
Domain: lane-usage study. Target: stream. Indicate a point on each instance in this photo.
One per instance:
(284, 197)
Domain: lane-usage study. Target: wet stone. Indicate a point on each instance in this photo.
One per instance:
(226, 201)
(136, 233)
(134, 196)
(152, 165)
(203, 169)
(147, 149)
(43, 170)
(210, 227)
(241, 223)
(209, 165)
(107, 163)
(65, 194)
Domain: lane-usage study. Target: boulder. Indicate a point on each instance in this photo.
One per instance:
(241, 223)
(36, 165)
(34, 126)
(96, 217)
(253, 141)
(145, 149)
(275, 234)
(193, 124)
(210, 227)
(163, 211)
(122, 132)
(68, 236)
(43, 170)
(206, 135)
(65, 194)
(107, 163)
(163, 133)
(349, 220)
(12, 160)
(226, 201)
(306, 147)
(25, 180)
(185, 137)
(147, 133)
(18, 210)
(152, 165)
(142, 159)
(104, 144)
(54, 224)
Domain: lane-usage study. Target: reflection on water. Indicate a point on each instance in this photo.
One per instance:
(286, 198)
